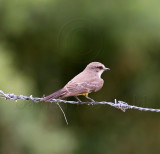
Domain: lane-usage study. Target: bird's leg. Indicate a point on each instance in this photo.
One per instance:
(78, 99)
(92, 100)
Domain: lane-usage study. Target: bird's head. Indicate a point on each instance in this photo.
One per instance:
(96, 67)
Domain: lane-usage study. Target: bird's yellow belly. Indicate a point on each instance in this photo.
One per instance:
(84, 94)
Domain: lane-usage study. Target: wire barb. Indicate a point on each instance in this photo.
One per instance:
(117, 104)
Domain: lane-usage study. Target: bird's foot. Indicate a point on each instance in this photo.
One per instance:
(92, 100)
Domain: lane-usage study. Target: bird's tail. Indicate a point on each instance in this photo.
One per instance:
(54, 95)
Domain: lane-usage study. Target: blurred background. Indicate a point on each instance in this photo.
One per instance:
(44, 43)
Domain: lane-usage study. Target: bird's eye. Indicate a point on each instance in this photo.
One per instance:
(100, 67)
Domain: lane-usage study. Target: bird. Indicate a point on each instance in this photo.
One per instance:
(89, 80)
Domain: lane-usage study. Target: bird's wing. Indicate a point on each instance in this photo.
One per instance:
(79, 87)
(74, 88)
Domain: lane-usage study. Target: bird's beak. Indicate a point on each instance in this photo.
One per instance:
(106, 69)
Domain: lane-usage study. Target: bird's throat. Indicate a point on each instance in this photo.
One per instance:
(100, 73)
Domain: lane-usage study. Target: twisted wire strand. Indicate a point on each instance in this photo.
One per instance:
(117, 104)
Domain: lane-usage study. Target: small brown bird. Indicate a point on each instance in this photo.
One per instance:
(89, 80)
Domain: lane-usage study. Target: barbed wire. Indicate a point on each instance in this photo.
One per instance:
(117, 104)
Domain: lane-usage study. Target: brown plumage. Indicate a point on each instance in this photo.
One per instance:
(89, 80)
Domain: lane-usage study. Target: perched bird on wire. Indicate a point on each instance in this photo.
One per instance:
(89, 80)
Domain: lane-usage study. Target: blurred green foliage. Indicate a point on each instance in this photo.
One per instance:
(43, 44)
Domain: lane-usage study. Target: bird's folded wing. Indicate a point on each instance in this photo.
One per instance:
(82, 87)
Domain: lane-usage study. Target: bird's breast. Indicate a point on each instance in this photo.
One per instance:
(98, 84)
